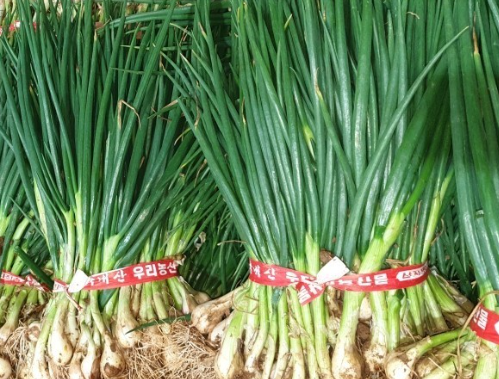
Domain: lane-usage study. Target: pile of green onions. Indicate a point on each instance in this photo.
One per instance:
(285, 131)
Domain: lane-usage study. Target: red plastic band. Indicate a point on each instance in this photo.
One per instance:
(32, 282)
(14, 26)
(10, 279)
(275, 276)
(485, 323)
(309, 289)
(128, 276)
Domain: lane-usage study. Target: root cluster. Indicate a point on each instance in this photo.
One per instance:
(182, 353)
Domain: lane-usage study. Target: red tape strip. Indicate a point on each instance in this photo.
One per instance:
(128, 276)
(309, 289)
(485, 323)
(14, 26)
(10, 279)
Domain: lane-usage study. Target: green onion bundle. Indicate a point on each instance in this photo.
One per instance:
(110, 172)
(259, 157)
(472, 74)
(308, 161)
(23, 251)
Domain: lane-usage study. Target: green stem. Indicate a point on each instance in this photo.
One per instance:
(159, 304)
(229, 360)
(431, 342)
(320, 335)
(297, 350)
(487, 366)
(252, 321)
(257, 348)
(96, 313)
(434, 311)
(449, 307)
(68, 249)
(32, 298)
(176, 295)
(39, 368)
(295, 305)
(4, 223)
(448, 369)
(18, 234)
(283, 332)
(12, 320)
(394, 306)
(144, 299)
(271, 339)
(379, 330)
(416, 307)
(148, 304)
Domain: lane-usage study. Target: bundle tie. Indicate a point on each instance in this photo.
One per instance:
(333, 274)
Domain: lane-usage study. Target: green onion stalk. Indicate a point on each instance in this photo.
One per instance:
(102, 153)
(450, 258)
